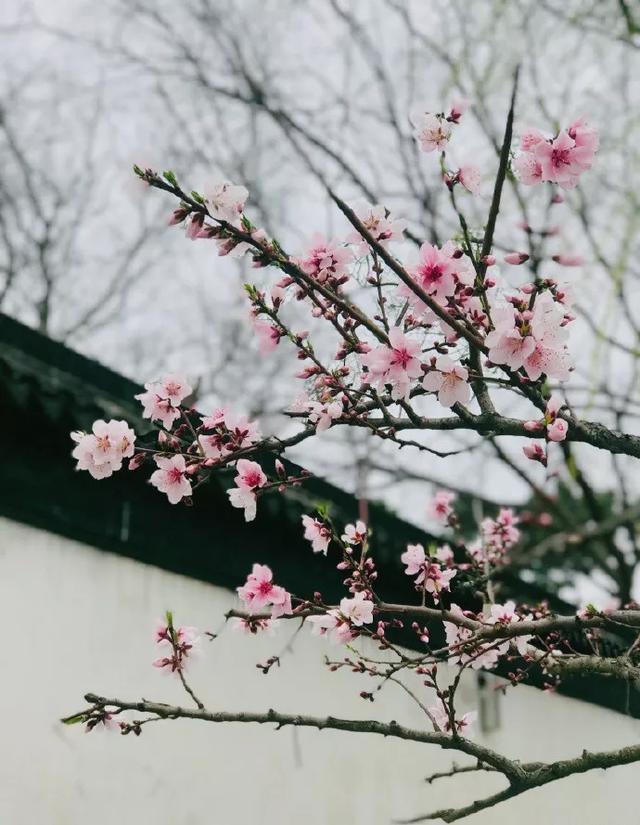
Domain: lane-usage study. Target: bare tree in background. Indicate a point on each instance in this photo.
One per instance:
(66, 266)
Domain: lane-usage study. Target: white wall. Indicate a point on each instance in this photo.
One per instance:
(75, 619)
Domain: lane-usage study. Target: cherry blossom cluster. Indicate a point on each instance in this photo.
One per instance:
(447, 293)
(103, 450)
(560, 159)
(497, 536)
(259, 591)
(530, 332)
(178, 645)
(431, 577)
(362, 612)
(189, 447)
(553, 424)
(439, 327)
(476, 655)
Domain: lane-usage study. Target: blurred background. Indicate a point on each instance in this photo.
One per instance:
(284, 96)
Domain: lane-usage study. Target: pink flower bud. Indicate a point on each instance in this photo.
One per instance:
(458, 108)
(569, 260)
(532, 426)
(535, 452)
(516, 258)
(489, 260)
(557, 431)
(136, 461)
(177, 216)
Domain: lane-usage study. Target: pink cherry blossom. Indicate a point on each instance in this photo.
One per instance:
(434, 579)
(323, 415)
(397, 364)
(509, 347)
(85, 452)
(506, 614)
(439, 507)
(431, 132)
(584, 135)
(317, 533)
(528, 168)
(161, 399)
(449, 381)
(170, 477)
(175, 388)
(226, 200)
(444, 554)
(232, 432)
(379, 225)
(333, 625)
(250, 474)
(442, 719)
(268, 336)
(481, 656)
(358, 610)
(502, 613)
(530, 138)
(469, 177)
(326, 260)
(216, 418)
(259, 591)
(250, 477)
(501, 533)
(434, 272)
(157, 408)
(102, 451)
(549, 333)
(415, 558)
(536, 342)
(562, 160)
(559, 160)
(355, 534)
(430, 575)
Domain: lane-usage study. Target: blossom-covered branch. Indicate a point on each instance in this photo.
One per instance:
(441, 330)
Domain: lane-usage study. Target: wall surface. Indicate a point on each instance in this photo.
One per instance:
(76, 620)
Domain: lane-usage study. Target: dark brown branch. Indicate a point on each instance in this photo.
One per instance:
(392, 728)
(521, 776)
